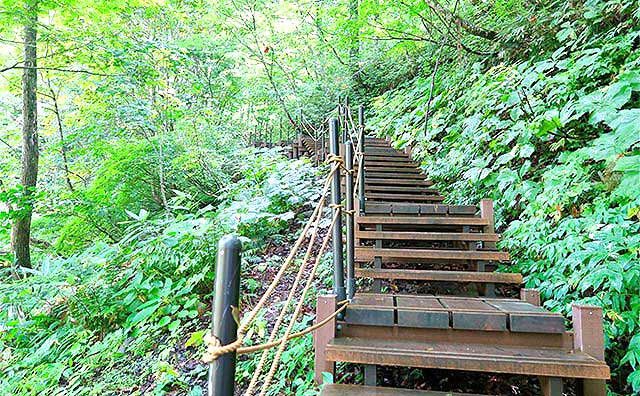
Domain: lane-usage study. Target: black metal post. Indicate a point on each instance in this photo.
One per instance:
(324, 146)
(345, 121)
(348, 163)
(338, 262)
(224, 326)
(361, 184)
(340, 109)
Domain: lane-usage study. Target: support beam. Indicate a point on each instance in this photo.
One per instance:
(532, 296)
(325, 307)
(551, 386)
(589, 338)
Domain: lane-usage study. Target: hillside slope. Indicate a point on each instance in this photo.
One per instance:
(554, 139)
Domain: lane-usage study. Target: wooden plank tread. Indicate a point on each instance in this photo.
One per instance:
(550, 362)
(460, 313)
(400, 163)
(428, 236)
(364, 253)
(423, 220)
(396, 182)
(404, 197)
(419, 208)
(360, 390)
(405, 176)
(401, 189)
(439, 276)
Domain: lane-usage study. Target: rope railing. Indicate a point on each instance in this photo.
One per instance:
(305, 276)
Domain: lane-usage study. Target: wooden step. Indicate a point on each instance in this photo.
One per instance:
(423, 220)
(446, 312)
(382, 197)
(378, 144)
(366, 254)
(384, 175)
(549, 362)
(387, 149)
(398, 189)
(370, 180)
(405, 208)
(387, 158)
(403, 164)
(428, 236)
(401, 189)
(439, 276)
(393, 170)
(360, 390)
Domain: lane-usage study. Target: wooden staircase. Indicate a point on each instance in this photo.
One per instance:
(429, 297)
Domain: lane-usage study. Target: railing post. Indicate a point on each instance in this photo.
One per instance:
(348, 162)
(361, 144)
(338, 262)
(347, 114)
(345, 125)
(224, 326)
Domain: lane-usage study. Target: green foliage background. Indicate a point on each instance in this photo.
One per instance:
(145, 164)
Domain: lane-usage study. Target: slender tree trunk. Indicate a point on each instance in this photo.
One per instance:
(21, 231)
(354, 48)
(63, 149)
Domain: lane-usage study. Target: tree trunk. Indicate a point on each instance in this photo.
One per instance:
(63, 149)
(21, 231)
(354, 45)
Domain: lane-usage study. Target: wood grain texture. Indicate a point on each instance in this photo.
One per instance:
(470, 357)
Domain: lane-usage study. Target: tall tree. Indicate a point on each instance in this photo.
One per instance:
(21, 231)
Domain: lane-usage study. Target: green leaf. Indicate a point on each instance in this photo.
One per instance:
(164, 321)
(144, 313)
(195, 338)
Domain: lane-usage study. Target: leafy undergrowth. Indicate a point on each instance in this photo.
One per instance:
(127, 318)
(555, 142)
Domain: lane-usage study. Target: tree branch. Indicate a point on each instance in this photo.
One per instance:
(60, 69)
(466, 25)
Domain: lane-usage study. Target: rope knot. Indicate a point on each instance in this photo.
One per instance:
(215, 349)
(334, 159)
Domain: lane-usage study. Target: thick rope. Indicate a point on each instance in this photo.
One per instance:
(260, 347)
(278, 356)
(285, 308)
(258, 370)
(216, 350)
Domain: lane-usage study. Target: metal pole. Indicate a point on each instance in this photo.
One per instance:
(361, 184)
(345, 121)
(338, 262)
(348, 162)
(224, 327)
(339, 112)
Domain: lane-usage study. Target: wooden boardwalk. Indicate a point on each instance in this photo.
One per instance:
(428, 296)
